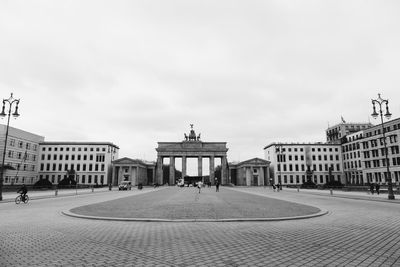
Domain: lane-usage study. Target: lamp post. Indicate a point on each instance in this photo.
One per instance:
(380, 102)
(10, 101)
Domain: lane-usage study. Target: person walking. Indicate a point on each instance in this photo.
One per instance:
(199, 185)
(216, 186)
(371, 188)
(377, 186)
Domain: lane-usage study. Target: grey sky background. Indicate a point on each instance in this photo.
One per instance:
(246, 72)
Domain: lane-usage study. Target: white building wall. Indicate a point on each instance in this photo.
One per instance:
(91, 161)
(292, 169)
(22, 153)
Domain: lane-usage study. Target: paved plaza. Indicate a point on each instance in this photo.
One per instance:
(359, 230)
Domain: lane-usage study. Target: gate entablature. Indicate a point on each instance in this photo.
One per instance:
(192, 147)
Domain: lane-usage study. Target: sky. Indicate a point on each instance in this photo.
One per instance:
(248, 73)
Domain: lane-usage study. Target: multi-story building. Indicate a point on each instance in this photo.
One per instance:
(90, 162)
(337, 133)
(22, 155)
(353, 159)
(374, 154)
(296, 163)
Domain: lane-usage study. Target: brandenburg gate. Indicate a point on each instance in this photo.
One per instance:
(191, 147)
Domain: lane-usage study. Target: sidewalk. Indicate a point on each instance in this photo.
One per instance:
(40, 194)
(383, 197)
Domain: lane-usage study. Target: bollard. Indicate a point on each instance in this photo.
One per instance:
(92, 189)
(331, 191)
(56, 192)
(298, 189)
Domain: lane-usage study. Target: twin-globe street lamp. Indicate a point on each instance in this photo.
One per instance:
(387, 115)
(10, 101)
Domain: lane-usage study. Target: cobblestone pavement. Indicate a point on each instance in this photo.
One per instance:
(177, 203)
(354, 233)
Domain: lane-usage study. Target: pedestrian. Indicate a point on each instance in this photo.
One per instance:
(216, 186)
(371, 188)
(199, 184)
(377, 186)
(274, 187)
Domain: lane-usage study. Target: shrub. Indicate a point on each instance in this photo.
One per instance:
(333, 184)
(308, 184)
(43, 183)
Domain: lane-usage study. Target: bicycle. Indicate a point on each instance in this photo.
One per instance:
(20, 199)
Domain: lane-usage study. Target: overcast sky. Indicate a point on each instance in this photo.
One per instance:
(248, 73)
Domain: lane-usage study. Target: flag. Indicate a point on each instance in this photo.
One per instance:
(343, 121)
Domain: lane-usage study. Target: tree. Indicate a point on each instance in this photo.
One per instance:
(69, 178)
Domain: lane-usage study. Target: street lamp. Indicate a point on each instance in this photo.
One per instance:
(387, 115)
(10, 101)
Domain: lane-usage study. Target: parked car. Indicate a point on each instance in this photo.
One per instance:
(125, 185)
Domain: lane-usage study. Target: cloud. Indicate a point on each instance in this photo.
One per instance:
(252, 73)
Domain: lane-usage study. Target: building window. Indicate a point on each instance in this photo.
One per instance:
(100, 157)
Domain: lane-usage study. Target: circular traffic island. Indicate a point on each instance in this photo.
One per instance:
(187, 204)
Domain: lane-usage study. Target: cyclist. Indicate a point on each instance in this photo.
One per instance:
(23, 190)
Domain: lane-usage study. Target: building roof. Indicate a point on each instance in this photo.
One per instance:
(129, 161)
(63, 143)
(301, 144)
(253, 161)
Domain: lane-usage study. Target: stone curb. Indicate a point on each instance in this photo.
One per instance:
(395, 201)
(318, 214)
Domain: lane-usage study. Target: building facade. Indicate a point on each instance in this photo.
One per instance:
(296, 163)
(337, 133)
(91, 162)
(22, 156)
(353, 159)
(373, 153)
(134, 170)
(252, 172)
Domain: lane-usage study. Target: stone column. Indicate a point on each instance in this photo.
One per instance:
(183, 167)
(171, 170)
(248, 176)
(261, 176)
(159, 170)
(114, 175)
(200, 167)
(137, 176)
(212, 169)
(223, 171)
(154, 174)
(267, 175)
(120, 176)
